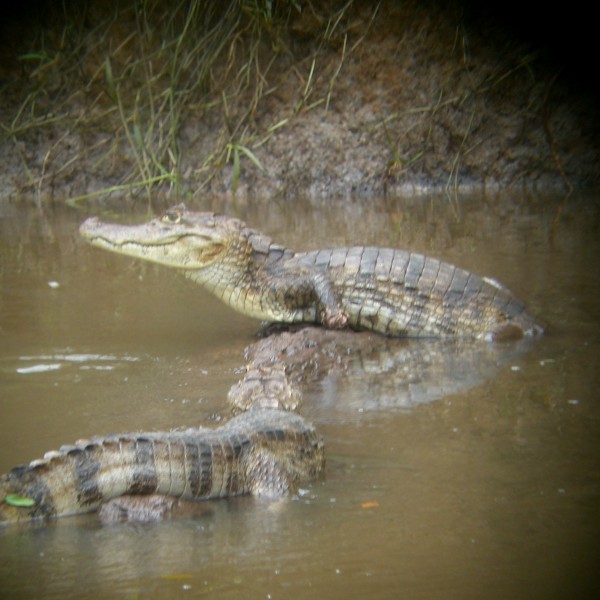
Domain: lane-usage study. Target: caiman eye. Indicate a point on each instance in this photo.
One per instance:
(172, 216)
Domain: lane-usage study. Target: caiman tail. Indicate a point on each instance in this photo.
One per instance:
(262, 452)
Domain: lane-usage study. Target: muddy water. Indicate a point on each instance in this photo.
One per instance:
(454, 470)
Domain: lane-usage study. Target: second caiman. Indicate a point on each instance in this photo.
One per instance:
(393, 292)
(262, 452)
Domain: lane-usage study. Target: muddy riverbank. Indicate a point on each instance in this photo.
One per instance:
(352, 98)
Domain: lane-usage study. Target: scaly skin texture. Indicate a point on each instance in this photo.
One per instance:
(261, 452)
(393, 292)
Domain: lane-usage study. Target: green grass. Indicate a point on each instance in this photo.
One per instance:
(189, 97)
(139, 71)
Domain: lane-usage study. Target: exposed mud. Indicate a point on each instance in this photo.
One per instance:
(353, 99)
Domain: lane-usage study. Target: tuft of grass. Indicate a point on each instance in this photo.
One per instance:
(112, 96)
(125, 78)
(234, 151)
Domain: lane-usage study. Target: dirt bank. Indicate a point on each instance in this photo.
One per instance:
(275, 99)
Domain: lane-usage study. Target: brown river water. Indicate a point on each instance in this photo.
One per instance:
(454, 469)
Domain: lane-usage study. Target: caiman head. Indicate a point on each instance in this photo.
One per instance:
(180, 238)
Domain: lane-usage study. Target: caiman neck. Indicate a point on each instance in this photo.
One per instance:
(238, 264)
(233, 268)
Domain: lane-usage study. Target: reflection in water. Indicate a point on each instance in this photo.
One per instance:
(46, 362)
(490, 490)
(405, 374)
(134, 558)
(363, 371)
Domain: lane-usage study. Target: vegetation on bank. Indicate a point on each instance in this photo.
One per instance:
(199, 95)
(125, 76)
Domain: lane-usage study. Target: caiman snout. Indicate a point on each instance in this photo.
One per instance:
(88, 226)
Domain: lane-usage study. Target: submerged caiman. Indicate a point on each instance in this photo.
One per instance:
(393, 292)
(262, 452)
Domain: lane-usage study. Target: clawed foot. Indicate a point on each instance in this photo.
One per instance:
(334, 320)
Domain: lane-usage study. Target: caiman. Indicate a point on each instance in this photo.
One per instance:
(393, 292)
(262, 452)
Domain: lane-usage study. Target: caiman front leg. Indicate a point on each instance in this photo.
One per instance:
(299, 292)
(329, 307)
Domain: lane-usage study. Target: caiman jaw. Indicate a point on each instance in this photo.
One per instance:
(167, 241)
